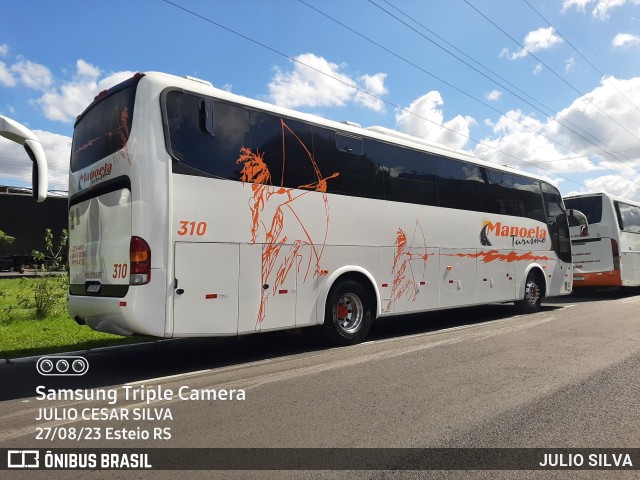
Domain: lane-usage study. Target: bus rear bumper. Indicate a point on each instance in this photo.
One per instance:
(611, 278)
(115, 315)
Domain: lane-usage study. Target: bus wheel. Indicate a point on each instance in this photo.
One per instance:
(533, 293)
(347, 317)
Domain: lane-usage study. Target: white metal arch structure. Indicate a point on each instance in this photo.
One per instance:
(18, 133)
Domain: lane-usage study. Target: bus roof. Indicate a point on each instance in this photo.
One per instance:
(604, 194)
(204, 87)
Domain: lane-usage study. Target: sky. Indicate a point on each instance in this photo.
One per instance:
(549, 87)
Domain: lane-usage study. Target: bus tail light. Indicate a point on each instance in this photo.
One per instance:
(140, 258)
(615, 251)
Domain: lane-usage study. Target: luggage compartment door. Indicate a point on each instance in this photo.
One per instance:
(205, 296)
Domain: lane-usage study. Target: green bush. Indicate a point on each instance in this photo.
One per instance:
(49, 293)
(49, 290)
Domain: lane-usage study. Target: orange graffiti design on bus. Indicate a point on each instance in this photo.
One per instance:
(493, 255)
(277, 259)
(406, 273)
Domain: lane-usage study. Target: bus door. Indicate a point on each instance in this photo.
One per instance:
(205, 298)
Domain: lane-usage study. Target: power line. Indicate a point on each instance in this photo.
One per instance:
(582, 55)
(562, 79)
(430, 73)
(549, 113)
(611, 151)
(606, 77)
(271, 49)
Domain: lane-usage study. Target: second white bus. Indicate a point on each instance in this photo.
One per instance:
(197, 212)
(610, 255)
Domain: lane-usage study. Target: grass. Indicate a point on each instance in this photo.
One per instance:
(22, 334)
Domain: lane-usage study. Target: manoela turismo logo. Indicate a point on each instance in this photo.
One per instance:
(519, 235)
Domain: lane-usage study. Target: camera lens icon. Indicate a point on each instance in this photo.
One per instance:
(62, 366)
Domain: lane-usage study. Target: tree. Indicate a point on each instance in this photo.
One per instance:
(5, 239)
(51, 258)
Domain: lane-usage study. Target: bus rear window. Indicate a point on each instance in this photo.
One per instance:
(104, 128)
(590, 206)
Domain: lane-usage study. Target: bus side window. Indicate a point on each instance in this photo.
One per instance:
(201, 142)
(529, 201)
(348, 143)
(410, 176)
(628, 217)
(495, 190)
(557, 221)
(458, 184)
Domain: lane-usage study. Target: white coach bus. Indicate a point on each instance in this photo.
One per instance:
(196, 212)
(610, 255)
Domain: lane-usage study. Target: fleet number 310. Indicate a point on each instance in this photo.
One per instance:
(192, 228)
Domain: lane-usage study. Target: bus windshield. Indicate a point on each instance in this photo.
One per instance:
(104, 127)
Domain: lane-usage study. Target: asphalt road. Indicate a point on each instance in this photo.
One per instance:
(475, 377)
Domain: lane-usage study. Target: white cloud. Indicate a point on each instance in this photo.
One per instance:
(314, 87)
(615, 185)
(373, 84)
(71, 98)
(24, 72)
(535, 41)
(579, 4)
(32, 75)
(569, 64)
(16, 166)
(615, 151)
(520, 136)
(493, 95)
(622, 40)
(6, 78)
(537, 69)
(85, 69)
(601, 8)
(586, 112)
(427, 122)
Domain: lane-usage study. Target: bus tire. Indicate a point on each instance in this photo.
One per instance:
(348, 313)
(533, 294)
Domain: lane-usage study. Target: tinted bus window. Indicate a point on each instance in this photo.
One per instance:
(458, 184)
(298, 161)
(590, 206)
(412, 176)
(527, 199)
(349, 144)
(557, 222)
(191, 141)
(330, 160)
(104, 128)
(286, 148)
(628, 217)
(497, 191)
